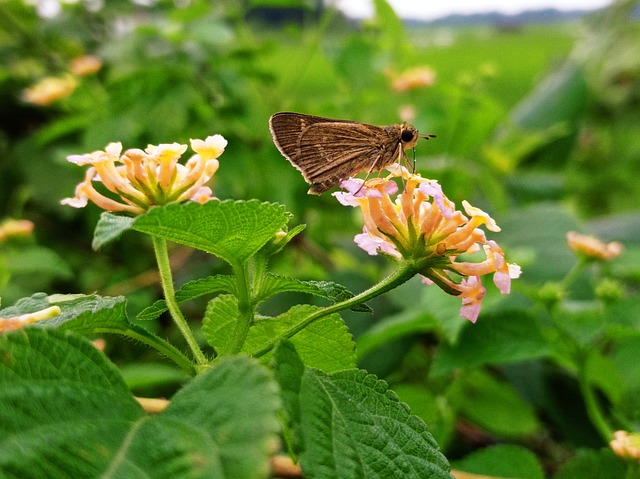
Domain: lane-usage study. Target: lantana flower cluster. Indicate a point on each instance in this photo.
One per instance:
(592, 248)
(626, 445)
(142, 179)
(421, 225)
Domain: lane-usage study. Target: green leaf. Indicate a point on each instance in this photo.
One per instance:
(500, 338)
(354, 426)
(219, 322)
(602, 464)
(93, 315)
(235, 404)
(109, 228)
(231, 230)
(65, 408)
(68, 413)
(502, 461)
(541, 229)
(289, 370)
(495, 406)
(35, 260)
(560, 97)
(143, 376)
(274, 284)
(191, 290)
(325, 344)
(435, 411)
(279, 243)
(392, 31)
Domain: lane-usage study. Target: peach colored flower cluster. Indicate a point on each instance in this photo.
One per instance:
(142, 179)
(14, 228)
(85, 65)
(422, 225)
(417, 77)
(626, 445)
(591, 247)
(50, 89)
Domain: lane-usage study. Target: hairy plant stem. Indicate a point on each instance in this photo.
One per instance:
(164, 268)
(245, 309)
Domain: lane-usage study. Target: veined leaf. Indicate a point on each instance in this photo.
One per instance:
(231, 230)
(92, 315)
(68, 413)
(325, 344)
(191, 290)
(354, 426)
(334, 292)
(109, 228)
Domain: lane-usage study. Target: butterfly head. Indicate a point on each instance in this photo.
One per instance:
(409, 136)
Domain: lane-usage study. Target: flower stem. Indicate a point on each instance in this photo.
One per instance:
(164, 268)
(404, 272)
(591, 403)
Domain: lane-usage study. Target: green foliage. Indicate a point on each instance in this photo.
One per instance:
(592, 464)
(502, 461)
(547, 145)
(83, 422)
(233, 231)
(351, 425)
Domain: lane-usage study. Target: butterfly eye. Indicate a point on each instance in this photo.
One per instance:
(407, 135)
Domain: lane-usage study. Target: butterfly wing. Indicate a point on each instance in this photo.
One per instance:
(286, 128)
(327, 151)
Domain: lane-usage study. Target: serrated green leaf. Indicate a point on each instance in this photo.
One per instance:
(68, 413)
(109, 228)
(354, 426)
(274, 284)
(85, 314)
(325, 344)
(289, 370)
(231, 230)
(36, 302)
(93, 315)
(500, 338)
(65, 408)
(502, 461)
(236, 404)
(177, 450)
(219, 321)
(191, 290)
(495, 406)
(152, 312)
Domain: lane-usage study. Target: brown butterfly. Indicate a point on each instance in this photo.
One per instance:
(328, 151)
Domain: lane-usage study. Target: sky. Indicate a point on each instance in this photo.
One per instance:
(430, 9)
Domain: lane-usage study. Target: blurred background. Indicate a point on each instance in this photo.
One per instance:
(536, 108)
